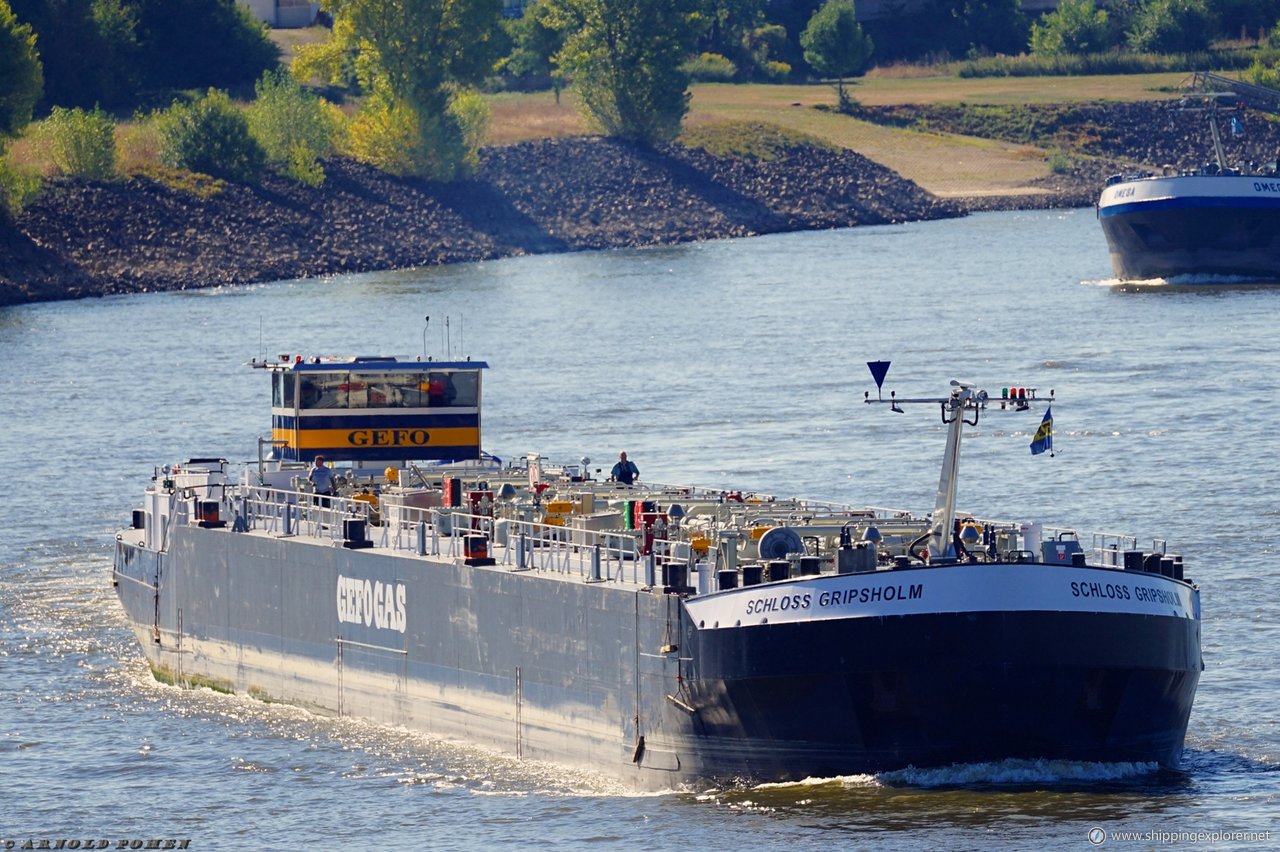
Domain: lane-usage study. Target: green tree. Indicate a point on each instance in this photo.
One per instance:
(1076, 26)
(835, 46)
(414, 55)
(115, 52)
(988, 26)
(764, 45)
(1172, 26)
(1246, 17)
(116, 57)
(728, 28)
(187, 44)
(87, 48)
(534, 41)
(624, 57)
(21, 76)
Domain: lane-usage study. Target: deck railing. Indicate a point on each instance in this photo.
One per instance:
(633, 556)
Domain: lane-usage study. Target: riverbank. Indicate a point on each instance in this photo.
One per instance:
(83, 238)
(86, 238)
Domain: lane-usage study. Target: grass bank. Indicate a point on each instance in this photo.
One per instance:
(946, 164)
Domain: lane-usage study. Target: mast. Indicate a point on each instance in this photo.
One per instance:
(941, 542)
(963, 406)
(1217, 138)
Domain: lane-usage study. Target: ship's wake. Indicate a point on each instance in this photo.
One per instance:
(1189, 282)
(1012, 772)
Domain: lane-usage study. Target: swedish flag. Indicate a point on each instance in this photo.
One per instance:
(1044, 435)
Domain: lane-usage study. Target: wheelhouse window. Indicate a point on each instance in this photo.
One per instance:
(282, 385)
(466, 389)
(434, 389)
(393, 390)
(325, 390)
(445, 388)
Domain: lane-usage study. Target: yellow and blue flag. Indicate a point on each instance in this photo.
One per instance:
(1044, 435)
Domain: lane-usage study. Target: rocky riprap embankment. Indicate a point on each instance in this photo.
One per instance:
(88, 238)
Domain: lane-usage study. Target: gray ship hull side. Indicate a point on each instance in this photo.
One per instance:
(564, 671)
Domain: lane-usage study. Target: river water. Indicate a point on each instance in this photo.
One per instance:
(734, 363)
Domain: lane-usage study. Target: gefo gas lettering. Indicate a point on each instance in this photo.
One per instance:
(371, 603)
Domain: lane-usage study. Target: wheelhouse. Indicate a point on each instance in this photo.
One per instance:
(374, 409)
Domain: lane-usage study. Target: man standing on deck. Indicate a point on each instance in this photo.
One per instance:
(322, 478)
(624, 471)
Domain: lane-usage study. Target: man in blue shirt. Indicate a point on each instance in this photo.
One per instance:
(624, 471)
(322, 478)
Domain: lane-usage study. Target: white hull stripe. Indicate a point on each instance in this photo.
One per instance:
(976, 588)
(1197, 190)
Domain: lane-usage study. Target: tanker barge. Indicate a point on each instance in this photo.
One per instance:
(661, 635)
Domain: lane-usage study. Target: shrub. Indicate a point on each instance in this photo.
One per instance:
(1110, 62)
(710, 68)
(211, 136)
(292, 127)
(765, 45)
(1264, 74)
(81, 143)
(338, 123)
(775, 71)
(384, 134)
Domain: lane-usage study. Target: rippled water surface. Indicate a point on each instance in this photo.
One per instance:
(736, 363)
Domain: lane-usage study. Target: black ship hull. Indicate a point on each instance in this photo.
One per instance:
(1225, 226)
(820, 699)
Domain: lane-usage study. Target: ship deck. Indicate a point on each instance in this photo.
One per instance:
(591, 531)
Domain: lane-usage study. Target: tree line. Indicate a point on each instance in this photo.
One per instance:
(413, 67)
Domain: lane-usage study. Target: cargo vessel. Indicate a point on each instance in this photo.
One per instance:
(1217, 222)
(661, 635)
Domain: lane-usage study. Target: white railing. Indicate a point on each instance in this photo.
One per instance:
(1109, 548)
(521, 545)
